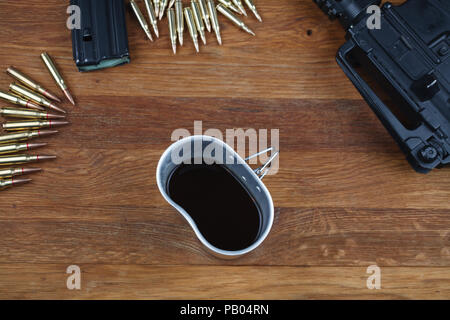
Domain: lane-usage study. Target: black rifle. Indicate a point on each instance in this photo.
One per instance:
(402, 70)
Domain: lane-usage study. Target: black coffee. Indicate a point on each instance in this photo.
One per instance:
(225, 213)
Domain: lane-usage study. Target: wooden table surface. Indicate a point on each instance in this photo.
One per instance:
(345, 197)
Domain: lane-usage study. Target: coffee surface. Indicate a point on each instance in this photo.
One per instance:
(223, 210)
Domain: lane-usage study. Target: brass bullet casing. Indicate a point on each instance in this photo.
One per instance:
(152, 16)
(205, 13)
(19, 101)
(191, 26)
(172, 29)
(238, 4)
(22, 158)
(34, 124)
(214, 20)
(14, 172)
(141, 19)
(19, 147)
(28, 114)
(31, 84)
(252, 7)
(33, 96)
(227, 13)
(180, 20)
(228, 4)
(198, 20)
(163, 7)
(56, 76)
(156, 6)
(24, 136)
(12, 182)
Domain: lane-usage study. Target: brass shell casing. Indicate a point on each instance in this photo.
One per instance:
(31, 95)
(30, 83)
(6, 96)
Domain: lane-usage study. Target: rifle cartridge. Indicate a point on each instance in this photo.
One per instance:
(156, 6)
(180, 20)
(14, 148)
(23, 158)
(57, 76)
(152, 16)
(198, 20)
(191, 26)
(214, 20)
(240, 6)
(141, 19)
(228, 4)
(32, 125)
(164, 4)
(172, 29)
(205, 13)
(6, 96)
(14, 172)
(252, 7)
(7, 183)
(25, 136)
(29, 114)
(227, 13)
(31, 84)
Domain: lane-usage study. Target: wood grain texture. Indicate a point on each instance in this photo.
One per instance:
(198, 282)
(345, 197)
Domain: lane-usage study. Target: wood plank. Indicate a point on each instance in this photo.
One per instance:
(48, 281)
(160, 236)
(307, 179)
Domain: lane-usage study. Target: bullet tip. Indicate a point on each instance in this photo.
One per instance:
(46, 132)
(69, 97)
(30, 170)
(55, 116)
(248, 30)
(51, 96)
(35, 145)
(59, 123)
(257, 16)
(174, 48)
(20, 181)
(149, 36)
(45, 157)
(54, 107)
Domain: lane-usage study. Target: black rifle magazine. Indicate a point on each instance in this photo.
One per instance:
(102, 40)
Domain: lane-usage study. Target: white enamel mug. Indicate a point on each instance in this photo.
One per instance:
(212, 150)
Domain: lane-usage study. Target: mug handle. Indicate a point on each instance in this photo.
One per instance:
(262, 171)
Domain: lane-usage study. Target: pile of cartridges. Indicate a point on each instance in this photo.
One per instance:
(34, 116)
(199, 17)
